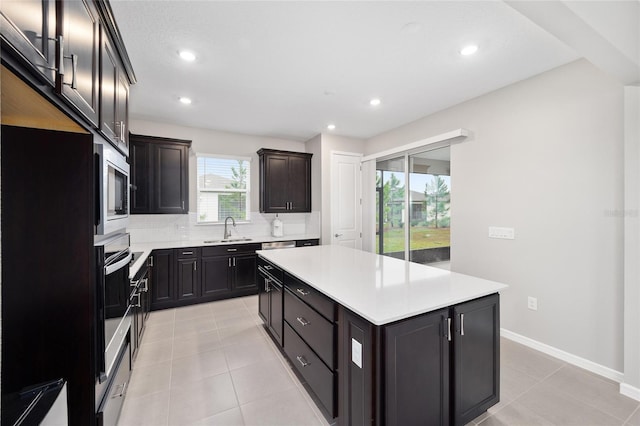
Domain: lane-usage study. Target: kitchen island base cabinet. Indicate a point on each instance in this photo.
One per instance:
(439, 368)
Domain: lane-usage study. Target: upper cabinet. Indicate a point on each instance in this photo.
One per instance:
(77, 79)
(285, 181)
(75, 48)
(159, 175)
(114, 96)
(30, 27)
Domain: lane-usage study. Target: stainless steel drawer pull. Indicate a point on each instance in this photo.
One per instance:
(302, 291)
(268, 267)
(302, 361)
(306, 244)
(449, 329)
(462, 324)
(184, 253)
(232, 249)
(303, 321)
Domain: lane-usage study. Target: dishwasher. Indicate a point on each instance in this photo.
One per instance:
(278, 245)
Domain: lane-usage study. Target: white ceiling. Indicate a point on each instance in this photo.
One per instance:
(287, 69)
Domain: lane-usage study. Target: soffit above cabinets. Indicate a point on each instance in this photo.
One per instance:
(24, 107)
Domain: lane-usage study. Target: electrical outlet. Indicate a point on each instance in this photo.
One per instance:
(532, 303)
(502, 233)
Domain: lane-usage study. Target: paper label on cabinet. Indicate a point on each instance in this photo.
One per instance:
(356, 352)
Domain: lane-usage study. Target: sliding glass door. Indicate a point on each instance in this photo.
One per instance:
(421, 231)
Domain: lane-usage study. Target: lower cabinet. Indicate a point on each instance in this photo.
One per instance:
(270, 298)
(440, 368)
(109, 408)
(202, 274)
(141, 304)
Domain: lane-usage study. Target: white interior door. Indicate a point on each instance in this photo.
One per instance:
(346, 193)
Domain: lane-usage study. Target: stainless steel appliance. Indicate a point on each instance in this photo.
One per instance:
(114, 313)
(112, 189)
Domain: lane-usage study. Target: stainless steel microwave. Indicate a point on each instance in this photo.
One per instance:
(112, 189)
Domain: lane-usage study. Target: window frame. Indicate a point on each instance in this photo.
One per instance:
(200, 190)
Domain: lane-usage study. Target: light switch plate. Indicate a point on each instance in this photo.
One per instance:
(356, 352)
(502, 233)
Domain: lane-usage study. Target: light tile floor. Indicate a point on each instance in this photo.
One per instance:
(213, 364)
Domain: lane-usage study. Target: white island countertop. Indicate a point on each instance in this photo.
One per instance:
(380, 289)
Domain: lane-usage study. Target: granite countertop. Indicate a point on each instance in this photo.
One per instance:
(380, 289)
(147, 248)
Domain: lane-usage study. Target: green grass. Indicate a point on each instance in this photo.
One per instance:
(422, 237)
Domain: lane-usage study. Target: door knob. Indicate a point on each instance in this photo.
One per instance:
(338, 235)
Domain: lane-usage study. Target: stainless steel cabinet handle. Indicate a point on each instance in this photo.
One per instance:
(267, 287)
(184, 253)
(449, 329)
(74, 70)
(303, 321)
(234, 261)
(137, 304)
(302, 291)
(133, 283)
(306, 244)
(122, 135)
(232, 249)
(195, 265)
(122, 392)
(268, 267)
(462, 324)
(302, 361)
(150, 260)
(60, 58)
(146, 285)
(229, 262)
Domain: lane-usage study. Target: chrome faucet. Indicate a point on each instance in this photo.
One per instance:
(227, 232)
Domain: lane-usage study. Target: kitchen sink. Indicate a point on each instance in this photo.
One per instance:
(228, 240)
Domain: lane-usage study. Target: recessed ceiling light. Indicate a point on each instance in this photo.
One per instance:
(185, 101)
(469, 50)
(187, 56)
(331, 126)
(374, 102)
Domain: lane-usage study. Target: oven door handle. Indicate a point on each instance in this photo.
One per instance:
(108, 270)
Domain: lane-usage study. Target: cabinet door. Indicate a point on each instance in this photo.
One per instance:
(141, 177)
(476, 349)
(30, 27)
(263, 298)
(77, 79)
(299, 193)
(417, 371)
(188, 282)
(276, 183)
(163, 292)
(108, 88)
(244, 271)
(216, 278)
(170, 179)
(122, 111)
(276, 314)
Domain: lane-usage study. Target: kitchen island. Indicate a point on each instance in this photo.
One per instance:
(379, 340)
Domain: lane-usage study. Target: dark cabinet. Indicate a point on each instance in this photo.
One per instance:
(417, 393)
(159, 175)
(29, 26)
(78, 68)
(114, 96)
(244, 271)
(229, 270)
(271, 298)
(285, 181)
(141, 304)
(216, 280)
(163, 292)
(188, 274)
(476, 358)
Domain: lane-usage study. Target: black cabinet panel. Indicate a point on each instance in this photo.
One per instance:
(159, 175)
(476, 348)
(244, 271)
(77, 79)
(417, 371)
(163, 291)
(216, 279)
(188, 279)
(285, 181)
(30, 27)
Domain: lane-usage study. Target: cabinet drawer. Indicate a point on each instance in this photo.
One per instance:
(109, 410)
(307, 243)
(271, 269)
(311, 296)
(314, 329)
(187, 252)
(320, 379)
(230, 249)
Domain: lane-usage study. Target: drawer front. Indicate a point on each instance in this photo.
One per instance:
(112, 403)
(271, 269)
(321, 380)
(307, 243)
(187, 252)
(230, 249)
(311, 296)
(316, 331)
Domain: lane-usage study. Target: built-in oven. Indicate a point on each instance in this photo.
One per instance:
(114, 313)
(112, 189)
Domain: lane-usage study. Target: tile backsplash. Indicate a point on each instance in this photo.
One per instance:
(184, 227)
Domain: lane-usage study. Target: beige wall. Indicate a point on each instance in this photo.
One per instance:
(545, 157)
(215, 142)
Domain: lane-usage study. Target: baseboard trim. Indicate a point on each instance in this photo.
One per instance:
(591, 366)
(630, 391)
